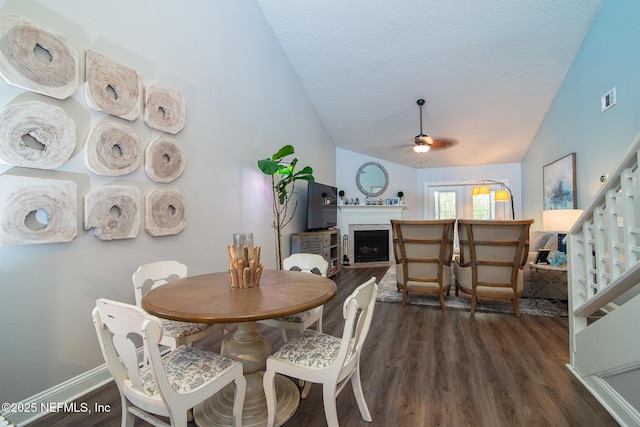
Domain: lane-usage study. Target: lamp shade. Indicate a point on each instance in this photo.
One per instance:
(560, 219)
(422, 148)
(501, 196)
(483, 189)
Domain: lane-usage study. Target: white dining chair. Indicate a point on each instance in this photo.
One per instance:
(166, 386)
(307, 263)
(174, 333)
(331, 361)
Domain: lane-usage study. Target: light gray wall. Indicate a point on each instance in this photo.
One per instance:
(243, 102)
(401, 178)
(574, 122)
(412, 181)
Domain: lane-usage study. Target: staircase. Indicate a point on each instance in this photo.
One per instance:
(604, 292)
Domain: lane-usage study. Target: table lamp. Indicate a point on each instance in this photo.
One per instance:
(561, 221)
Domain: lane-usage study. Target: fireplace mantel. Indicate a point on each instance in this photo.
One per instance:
(368, 214)
(365, 217)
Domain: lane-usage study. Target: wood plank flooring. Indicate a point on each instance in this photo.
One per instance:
(426, 367)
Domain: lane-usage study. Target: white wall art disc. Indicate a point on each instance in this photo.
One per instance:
(164, 108)
(165, 212)
(111, 87)
(164, 161)
(113, 212)
(36, 210)
(112, 149)
(36, 135)
(36, 60)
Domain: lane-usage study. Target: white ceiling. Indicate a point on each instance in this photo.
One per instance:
(488, 70)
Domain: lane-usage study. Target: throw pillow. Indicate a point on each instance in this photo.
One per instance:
(537, 240)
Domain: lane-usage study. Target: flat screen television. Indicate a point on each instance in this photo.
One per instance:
(322, 206)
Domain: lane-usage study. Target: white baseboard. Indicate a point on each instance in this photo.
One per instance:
(65, 392)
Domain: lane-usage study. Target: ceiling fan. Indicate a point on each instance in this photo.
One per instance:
(424, 143)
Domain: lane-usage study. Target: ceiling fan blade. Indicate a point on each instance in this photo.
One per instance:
(438, 143)
(442, 143)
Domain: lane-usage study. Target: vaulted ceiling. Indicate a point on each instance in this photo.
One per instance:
(488, 70)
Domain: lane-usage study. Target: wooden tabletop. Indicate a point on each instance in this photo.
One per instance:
(210, 299)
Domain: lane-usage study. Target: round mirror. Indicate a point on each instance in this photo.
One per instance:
(372, 179)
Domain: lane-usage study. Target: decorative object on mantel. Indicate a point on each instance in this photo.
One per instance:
(164, 161)
(165, 212)
(245, 267)
(111, 87)
(113, 212)
(36, 135)
(164, 108)
(36, 60)
(36, 210)
(112, 149)
(283, 178)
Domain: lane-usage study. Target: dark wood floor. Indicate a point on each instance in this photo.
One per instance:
(425, 367)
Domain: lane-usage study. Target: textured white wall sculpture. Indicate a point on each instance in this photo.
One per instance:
(36, 210)
(113, 212)
(164, 161)
(165, 212)
(112, 149)
(36, 60)
(50, 131)
(164, 108)
(111, 87)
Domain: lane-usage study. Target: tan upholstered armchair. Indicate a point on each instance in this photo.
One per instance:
(423, 252)
(492, 257)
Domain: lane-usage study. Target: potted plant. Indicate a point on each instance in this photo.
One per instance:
(283, 178)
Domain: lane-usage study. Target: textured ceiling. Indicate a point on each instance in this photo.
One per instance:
(488, 70)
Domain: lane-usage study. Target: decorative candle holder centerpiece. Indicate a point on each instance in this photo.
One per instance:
(245, 267)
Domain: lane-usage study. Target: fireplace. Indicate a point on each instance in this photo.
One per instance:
(355, 218)
(371, 245)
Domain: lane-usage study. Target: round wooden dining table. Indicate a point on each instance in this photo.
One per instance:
(209, 298)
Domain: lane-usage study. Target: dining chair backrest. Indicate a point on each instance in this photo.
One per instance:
(116, 324)
(308, 263)
(357, 311)
(154, 274)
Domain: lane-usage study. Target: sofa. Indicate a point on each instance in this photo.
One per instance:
(539, 240)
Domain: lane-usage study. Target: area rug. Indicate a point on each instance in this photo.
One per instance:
(388, 292)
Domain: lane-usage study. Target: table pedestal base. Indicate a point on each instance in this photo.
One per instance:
(217, 410)
(250, 348)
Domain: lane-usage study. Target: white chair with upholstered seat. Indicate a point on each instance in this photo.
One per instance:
(166, 386)
(331, 361)
(154, 274)
(308, 263)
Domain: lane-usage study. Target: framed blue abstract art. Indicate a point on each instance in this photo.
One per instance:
(559, 183)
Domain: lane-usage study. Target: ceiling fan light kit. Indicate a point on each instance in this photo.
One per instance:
(422, 148)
